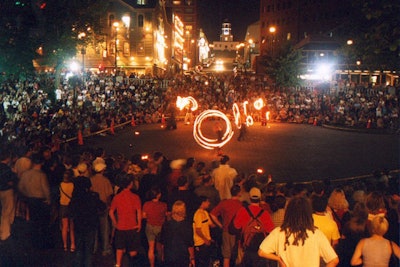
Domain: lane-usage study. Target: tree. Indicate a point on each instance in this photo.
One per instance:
(16, 42)
(45, 30)
(375, 29)
(284, 69)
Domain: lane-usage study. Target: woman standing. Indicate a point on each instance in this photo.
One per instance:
(177, 238)
(375, 250)
(66, 188)
(297, 242)
(154, 211)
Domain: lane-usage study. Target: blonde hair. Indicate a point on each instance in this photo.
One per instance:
(178, 210)
(337, 200)
(379, 225)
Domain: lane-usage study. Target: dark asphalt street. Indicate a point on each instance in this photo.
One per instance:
(290, 152)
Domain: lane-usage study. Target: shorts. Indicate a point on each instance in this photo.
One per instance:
(228, 243)
(128, 240)
(64, 211)
(152, 232)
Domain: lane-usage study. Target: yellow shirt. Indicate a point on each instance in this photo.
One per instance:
(327, 226)
(201, 220)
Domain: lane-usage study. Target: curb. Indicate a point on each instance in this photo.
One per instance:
(358, 130)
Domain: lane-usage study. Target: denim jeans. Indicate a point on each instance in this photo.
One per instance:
(103, 234)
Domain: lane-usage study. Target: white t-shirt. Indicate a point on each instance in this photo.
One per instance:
(315, 246)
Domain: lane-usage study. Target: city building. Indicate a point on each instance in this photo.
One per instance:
(143, 37)
(226, 41)
(315, 28)
(293, 20)
(186, 10)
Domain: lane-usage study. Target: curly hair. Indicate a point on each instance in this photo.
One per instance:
(337, 200)
(298, 219)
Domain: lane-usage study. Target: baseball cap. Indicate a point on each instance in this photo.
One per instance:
(255, 193)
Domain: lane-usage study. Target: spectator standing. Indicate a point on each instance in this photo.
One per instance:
(223, 178)
(102, 186)
(278, 210)
(84, 213)
(8, 182)
(324, 222)
(183, 193)
(177, 238)
(337, 206)
(34, 186)
(154, 211)
(242, 219)
(126, 216)
(22, 164)
(201, 233)
(354, 229)
(66, 189)
(225, 211)
(190, 171)
(297, 242)
(207, 189)
(375, 250)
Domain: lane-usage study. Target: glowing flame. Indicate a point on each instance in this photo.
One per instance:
(211, 143)
(249, 119)
(182, 102)
(236, 115)
(258, 104)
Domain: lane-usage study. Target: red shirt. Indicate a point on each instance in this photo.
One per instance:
(155, 212)
(227, 209)
(126, 205)
(242, 218)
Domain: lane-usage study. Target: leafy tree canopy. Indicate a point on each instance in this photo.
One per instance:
(284, 69)
(44, 29)
(375, 29)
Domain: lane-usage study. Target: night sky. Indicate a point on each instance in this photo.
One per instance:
(240, 13)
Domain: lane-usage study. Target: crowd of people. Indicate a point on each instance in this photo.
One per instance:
(32, 110)
(179, 212)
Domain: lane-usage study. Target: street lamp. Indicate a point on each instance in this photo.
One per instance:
(272, 31)
(116, 25)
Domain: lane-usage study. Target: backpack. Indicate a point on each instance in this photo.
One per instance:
(254, 232)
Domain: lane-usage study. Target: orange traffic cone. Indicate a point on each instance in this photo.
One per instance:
(112, 130)
(80, 138)
(315, 121)
(133, 123)
(369, 124)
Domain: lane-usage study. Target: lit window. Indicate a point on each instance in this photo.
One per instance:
(126, 49)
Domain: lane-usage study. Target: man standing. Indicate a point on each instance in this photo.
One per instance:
(207, 189)
(126, 216)
(324, 223)
(35, 187)
(226, 210)
(8, 180)
(201, 233)
(243, 220)
(103, 187)
(223, 178)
